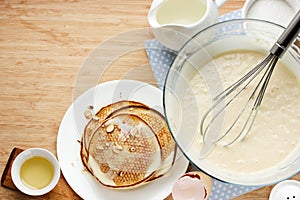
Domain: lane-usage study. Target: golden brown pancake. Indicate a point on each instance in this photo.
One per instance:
(127, 143)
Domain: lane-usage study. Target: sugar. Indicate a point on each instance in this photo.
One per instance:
(277, 11)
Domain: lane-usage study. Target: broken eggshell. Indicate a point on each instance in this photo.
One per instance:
(192, 186)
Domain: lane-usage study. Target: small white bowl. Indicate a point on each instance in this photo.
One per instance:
(27, 154)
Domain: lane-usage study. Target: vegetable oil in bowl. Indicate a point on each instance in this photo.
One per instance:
(37, 172)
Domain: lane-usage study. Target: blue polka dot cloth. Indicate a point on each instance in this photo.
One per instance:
(160, 59)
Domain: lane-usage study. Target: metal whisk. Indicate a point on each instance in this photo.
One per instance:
(212, 121)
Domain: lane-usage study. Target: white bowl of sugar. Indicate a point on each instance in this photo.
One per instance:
(277, 11)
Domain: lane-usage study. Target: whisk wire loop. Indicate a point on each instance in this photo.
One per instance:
(261, 86)
(243, 83)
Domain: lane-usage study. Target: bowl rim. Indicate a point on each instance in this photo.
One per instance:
(227, 22)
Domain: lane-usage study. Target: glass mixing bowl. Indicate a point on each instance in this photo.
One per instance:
(184, 124)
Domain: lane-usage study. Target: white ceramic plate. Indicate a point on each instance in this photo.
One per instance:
(71, 129)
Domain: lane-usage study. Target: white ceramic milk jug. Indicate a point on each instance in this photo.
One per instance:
(173, 22)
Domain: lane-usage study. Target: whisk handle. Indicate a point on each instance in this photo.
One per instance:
(287, 37)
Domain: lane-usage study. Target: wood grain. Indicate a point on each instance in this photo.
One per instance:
(49, 55)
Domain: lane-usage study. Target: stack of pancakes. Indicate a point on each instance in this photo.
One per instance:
(127, 144)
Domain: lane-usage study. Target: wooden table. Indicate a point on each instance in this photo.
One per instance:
(44, 51)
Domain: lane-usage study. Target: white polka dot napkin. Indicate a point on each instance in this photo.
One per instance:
(160, 59)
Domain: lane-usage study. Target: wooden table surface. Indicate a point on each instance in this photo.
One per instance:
(45, 58)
